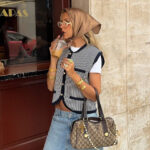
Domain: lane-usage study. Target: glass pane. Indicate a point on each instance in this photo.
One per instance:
(25, 30)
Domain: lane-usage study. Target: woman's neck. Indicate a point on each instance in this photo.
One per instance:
(78, 42)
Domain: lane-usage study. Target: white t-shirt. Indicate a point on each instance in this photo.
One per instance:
(96, 67)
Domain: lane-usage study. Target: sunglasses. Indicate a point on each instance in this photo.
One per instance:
(63, 23)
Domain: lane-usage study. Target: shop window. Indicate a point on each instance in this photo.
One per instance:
(27, 28)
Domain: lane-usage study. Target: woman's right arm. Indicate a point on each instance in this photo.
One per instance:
(53, 65)
(51, 74)
(52, 68)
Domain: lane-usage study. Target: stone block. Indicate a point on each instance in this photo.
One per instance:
(139, 128)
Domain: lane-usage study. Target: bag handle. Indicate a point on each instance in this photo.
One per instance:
(100, 111)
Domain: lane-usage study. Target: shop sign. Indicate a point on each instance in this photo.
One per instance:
(14, 13)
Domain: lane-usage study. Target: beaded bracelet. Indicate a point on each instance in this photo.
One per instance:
(80, 82)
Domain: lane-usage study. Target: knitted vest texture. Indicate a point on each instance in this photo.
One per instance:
(65, 89)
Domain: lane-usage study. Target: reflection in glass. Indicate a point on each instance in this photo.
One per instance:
(25, 30)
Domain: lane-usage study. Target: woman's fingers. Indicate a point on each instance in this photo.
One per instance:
(58, 37)
(64, 47)
(66, 60)
(67, 64)
(54, 43)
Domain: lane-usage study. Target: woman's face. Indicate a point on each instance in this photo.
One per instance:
(66, 26)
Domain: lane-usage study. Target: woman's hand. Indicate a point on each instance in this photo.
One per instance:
(68, 65)
(53, 48)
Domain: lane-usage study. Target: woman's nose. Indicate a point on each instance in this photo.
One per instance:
(62, 27)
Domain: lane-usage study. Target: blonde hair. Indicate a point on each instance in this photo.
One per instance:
(89, 38)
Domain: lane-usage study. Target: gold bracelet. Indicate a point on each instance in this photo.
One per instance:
(83, 87)
(70, 60)
(80, 82)
(52, 70)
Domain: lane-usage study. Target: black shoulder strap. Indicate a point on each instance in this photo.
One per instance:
(100, 111)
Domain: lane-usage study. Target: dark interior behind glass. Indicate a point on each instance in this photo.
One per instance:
(26, 30)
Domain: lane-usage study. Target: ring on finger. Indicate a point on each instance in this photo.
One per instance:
(70, 60)
(66, 65)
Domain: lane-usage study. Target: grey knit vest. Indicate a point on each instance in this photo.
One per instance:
(65, 89)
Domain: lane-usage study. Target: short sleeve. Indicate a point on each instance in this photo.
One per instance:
(97, 66)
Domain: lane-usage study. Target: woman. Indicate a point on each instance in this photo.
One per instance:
(73, 76)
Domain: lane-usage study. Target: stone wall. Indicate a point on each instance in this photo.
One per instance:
(125, 42)
(83, 4)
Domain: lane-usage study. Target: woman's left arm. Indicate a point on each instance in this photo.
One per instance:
(86, 89)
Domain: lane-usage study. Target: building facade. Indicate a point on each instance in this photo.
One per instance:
(124, 39)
